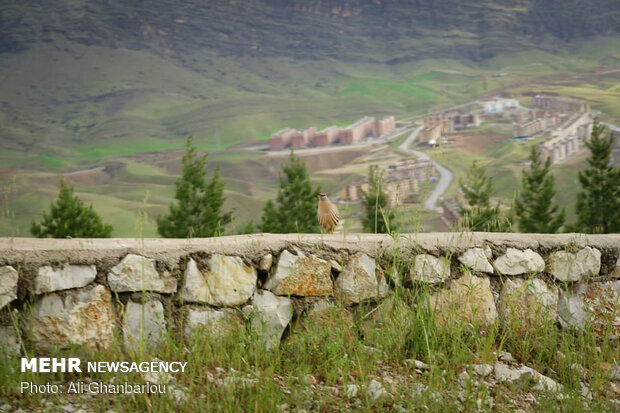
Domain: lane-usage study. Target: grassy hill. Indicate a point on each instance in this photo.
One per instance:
(107, 94)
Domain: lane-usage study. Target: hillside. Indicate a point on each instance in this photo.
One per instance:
(108, 91)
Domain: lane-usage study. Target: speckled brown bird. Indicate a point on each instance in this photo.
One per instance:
(327, 213)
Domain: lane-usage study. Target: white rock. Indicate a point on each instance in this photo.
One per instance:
(614, 373)
(265, 262)
(9, 340)
(137, 273)
(527, 303)
(516, 262)
(592, 305)
(476, 259)
(468, 300)
(359, 280)
(482, 370)
(506, 356)
(375, 391)
(567, 266)
(301, 276)
(335, 265)
(271, 316)
(66, 277)
(504, 373)
(229, 281)
(144, 326)
(83, 316)
(351, 390)
(214, 323)
(430, 269)
(544, 383)
(8, 285)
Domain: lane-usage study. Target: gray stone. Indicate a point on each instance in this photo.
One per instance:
(229, 281)
(301, 276)
(265, 262)
(430, 269)
(527, 303)
(138, 273)
(568, 266)
(517, 262)
(351, 390)
(335, 265)
(10, 342)
(271, 316)
(376, 392)
(66, 277)
(8, 285)
(614, 373)
(477, 259)
(468, 300)
(509, 374)
(214, 323)
(592, 305)
(82, 316)
(144, 325)
(359, 281)
(482, 370)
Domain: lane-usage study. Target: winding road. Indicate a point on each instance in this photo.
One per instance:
(445, 176)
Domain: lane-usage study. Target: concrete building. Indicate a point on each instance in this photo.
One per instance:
(402, 182)
(303, 138)
(499, 105)
(567, 139)
(327, 136)
(281, 139)
(357, 131)
(560, 102)
(430, 134)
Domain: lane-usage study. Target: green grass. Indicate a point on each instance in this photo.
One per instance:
(324, 354)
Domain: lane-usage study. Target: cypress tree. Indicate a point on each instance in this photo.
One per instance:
(69, 217)
(480, 215)
(598, 203)
(534, 205)
(296, 202)
(379, 218)
(197, 212)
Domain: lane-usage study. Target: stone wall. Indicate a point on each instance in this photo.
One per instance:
(92, 292)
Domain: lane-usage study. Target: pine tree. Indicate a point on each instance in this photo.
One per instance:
(296, 202)
(197, 212)
(379, 219)
(598, 204)
(480, 216)
(69, 217)
(534, 205)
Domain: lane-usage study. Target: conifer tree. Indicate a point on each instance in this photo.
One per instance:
(296, 202)
(379, 219)
(69, 217)
(480, 216)
(598, 203)
(534, 205)
(198, 210)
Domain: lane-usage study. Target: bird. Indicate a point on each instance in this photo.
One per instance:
(327, 213)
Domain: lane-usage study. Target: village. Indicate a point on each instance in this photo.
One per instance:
(564, 124)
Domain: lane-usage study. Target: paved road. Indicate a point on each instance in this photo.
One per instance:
(445, 176)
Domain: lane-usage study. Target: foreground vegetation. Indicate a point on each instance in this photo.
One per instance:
(327, 363)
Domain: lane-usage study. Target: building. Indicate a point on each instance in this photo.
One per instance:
(402, 182)
(303, 138)
(452, 121)
(281, 139)
(353, 133)
(499, 105)
(560, 102)
(327, 136)
(430, 134)
(357, 131)
(450, 212)
(567, 139)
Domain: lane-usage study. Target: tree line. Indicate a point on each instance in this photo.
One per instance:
(197, 210)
